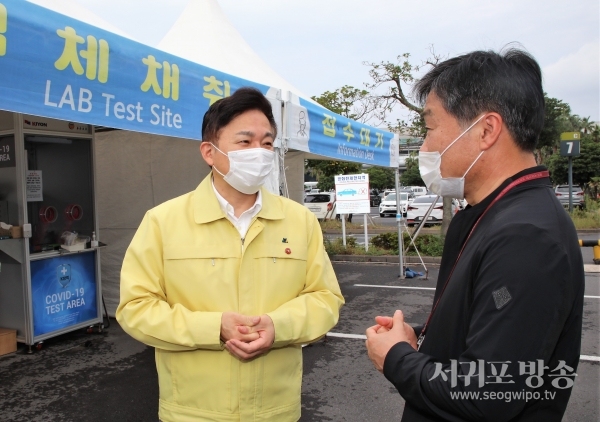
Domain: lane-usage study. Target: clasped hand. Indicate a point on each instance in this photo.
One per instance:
(247, 336)
(386, 333)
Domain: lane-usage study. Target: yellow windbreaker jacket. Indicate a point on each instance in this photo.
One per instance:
(187, 264)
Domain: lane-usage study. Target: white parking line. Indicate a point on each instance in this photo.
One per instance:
(394, 287)
(586, 358)
(426, 288)
(354, 336)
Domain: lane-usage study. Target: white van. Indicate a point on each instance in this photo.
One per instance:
(419, 190)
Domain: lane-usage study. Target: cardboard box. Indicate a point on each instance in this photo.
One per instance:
(16, 232)
(8, 341)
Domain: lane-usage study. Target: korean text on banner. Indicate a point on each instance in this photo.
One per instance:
(315, 129)
(85, 74)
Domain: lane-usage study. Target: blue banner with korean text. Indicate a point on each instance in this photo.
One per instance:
(55, 66)
(315, 129)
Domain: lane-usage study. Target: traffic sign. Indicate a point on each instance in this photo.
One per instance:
(569, 148)
(570, 136)
(352, 194)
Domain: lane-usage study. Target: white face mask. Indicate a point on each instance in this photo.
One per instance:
(248, 168)
(429, 167)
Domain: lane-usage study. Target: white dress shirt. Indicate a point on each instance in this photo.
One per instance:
(241, 223)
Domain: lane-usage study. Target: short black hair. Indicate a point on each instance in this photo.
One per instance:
(223, 111)
(508, 83)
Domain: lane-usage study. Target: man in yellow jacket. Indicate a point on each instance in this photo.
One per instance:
(228, 281)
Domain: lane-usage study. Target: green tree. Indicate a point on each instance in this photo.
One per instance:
(326, 169)
(412, 176)
(586, 167)
(349, 102)
(587, 126)
(396, 78)
(556, 121)
(380, 177)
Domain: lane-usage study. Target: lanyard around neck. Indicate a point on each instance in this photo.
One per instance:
(520, 180)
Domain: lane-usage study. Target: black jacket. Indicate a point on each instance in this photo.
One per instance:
(513, 307)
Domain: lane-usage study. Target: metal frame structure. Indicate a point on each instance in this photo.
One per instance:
(16, 291)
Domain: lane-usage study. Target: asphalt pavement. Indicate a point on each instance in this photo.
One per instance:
(109, 376)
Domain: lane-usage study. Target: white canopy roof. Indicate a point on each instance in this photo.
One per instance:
(204, 35)
(76, 11)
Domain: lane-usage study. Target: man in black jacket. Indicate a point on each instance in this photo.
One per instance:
(503, 338)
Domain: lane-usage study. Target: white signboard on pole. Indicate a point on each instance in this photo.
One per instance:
(352, 194)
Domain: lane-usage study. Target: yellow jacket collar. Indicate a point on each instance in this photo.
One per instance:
(207, 208)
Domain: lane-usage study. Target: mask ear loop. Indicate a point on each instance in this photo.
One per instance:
(471, 166)
(215, 167)
(461, 135)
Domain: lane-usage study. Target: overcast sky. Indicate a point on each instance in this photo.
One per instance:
(320, 45)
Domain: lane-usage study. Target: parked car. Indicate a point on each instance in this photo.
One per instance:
(419, 190)
(418, 208)
(388, 191)
(562, 193)
(375, 199)
(388, 205)
(320, 204)
(408, 191)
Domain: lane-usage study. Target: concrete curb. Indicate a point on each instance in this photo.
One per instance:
(394, 229)
(391, 229)
(392, 259)
(589, 231)
(362, 231)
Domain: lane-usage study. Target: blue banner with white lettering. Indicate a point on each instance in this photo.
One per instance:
(55, 66)
(64, 292)
(315, 129)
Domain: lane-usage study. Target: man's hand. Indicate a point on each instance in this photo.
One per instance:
(247, 350)
(239, 327)
(384, 335)
(386, 323)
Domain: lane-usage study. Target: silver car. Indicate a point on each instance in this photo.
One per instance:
(418, 208)
(562, 193)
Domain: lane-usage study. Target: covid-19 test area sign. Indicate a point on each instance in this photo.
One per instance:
(352, 194)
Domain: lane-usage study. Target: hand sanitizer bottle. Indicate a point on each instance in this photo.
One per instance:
(94, 241)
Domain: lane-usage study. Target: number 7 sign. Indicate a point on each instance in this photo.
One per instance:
(569, 148)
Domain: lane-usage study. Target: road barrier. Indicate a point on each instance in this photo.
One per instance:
(592, 244)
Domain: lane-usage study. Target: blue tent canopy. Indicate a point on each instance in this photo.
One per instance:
(54, 66)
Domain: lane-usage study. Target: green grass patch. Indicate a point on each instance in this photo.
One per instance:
(387, 244)
(336, 247)
(427, 244)
(337, 224)
(588, 217)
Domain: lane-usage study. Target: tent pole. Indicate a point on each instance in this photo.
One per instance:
(366, 234)
(399, 223)
(344, 230)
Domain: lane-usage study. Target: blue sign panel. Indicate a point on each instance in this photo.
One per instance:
(64, 292)
(55, 66)
(315, 129)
